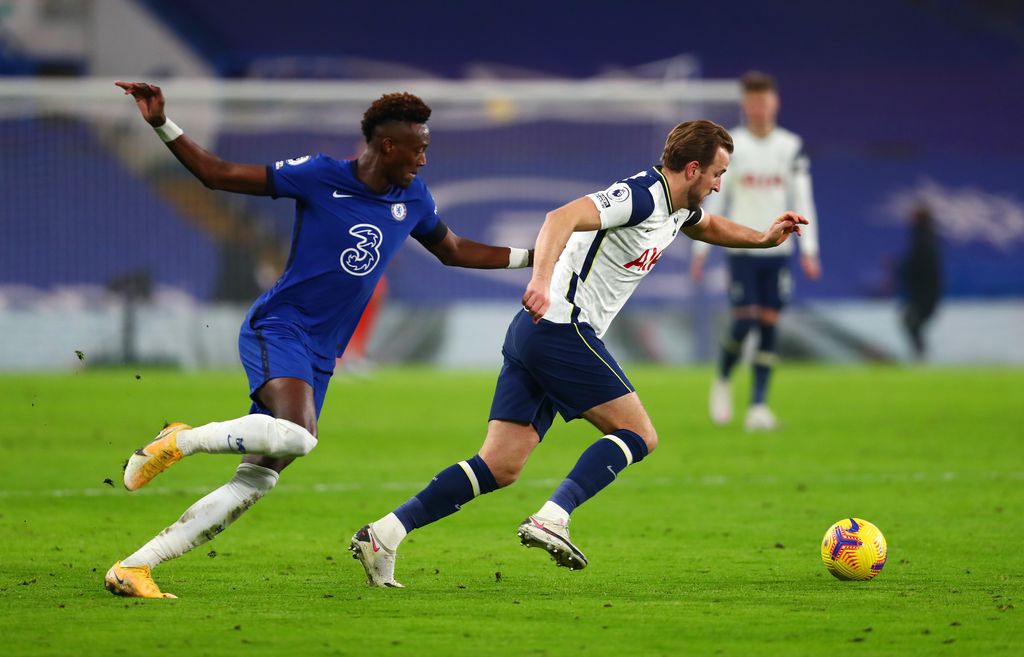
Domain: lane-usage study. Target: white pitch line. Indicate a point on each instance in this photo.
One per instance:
(717, 480)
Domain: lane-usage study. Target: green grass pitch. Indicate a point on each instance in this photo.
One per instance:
(709, 547)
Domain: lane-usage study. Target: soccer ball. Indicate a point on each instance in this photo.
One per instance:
(853, 549)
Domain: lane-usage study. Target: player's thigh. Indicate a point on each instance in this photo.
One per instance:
(574, 368)
(507, 447)
(625, 412)
(774, 288)
(743, 286)
(289, 399)
(284, 375)
(519, 398)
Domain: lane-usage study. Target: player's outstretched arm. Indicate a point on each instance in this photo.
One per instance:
(719, 230)
(212, 171)
(456, 251)
(559, 225)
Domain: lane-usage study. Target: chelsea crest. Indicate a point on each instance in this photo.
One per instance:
(398, 211)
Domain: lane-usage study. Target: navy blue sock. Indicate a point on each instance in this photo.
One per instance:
(733, 346)
(598, 466)
(763, 362)
(446, 493)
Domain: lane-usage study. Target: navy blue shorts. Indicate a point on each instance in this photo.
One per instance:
(270, 351)
(554, 367)
(762, 281)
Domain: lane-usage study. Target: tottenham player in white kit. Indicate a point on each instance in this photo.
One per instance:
(768, 174)
(590, 256)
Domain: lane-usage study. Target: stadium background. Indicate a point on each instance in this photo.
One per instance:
(710, 547)
(109, 248)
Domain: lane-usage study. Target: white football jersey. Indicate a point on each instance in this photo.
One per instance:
(599, 269)
(766, 177)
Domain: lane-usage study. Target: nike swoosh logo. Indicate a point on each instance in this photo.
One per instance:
(118, 578)
(373, 544)
(337, 195)
(614, 475)
(538, 525)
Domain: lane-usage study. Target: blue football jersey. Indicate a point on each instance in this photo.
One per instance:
(343, 239)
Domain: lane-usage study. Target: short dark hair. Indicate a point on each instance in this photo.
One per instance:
(758, 81)
(403, 107)
(694, 140)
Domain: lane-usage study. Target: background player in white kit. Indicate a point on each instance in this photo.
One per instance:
(590, 256)
(769, 173)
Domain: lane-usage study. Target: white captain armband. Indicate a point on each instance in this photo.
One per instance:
(518, 258)
(169, 131)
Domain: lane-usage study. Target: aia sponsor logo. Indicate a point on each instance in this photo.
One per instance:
(646, 260)
(754, 180)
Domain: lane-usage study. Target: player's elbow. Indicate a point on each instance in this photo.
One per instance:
(448, 258)
(216, 179)
(219, 175)
(448, 254)
(209, 177)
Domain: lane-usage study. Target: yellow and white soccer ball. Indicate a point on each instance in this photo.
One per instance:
(853, 549)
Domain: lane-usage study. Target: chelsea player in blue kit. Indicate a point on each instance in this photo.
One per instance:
(351, 217)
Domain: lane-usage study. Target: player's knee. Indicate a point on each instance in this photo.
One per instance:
(256, 477)
(506, 474)
(650, 437)
(504, 471)
(290, 439)
(646, 432)
(745, 313)
(277, 464)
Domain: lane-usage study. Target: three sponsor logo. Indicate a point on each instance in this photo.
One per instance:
(362, 258)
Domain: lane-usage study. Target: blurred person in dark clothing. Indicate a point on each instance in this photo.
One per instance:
(920, 276)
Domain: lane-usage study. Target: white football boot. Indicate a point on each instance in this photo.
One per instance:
(760, 418)
(553, 536)
(720, 402)
(377, 560)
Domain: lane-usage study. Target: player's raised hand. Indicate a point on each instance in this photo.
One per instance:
(811, 266)
(536, 299)
(697, 268)
(149, 98)
(783, 226)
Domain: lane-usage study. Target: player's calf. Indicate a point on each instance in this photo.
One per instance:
(596, 468)
(250, 434)
(376, 543)
(205, 519)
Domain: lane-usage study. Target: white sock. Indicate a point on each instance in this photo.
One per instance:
(207, 517)
(551, 511)
(390, 531)
(250, 434)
